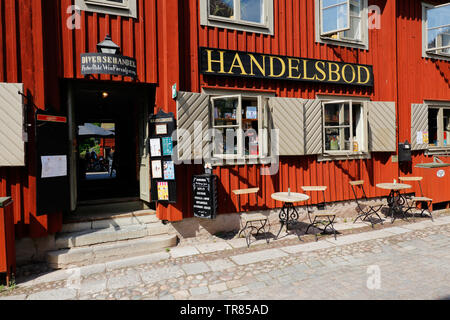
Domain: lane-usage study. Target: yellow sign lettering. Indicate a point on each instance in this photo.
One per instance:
(283, 67)
(291, 68)
(211, 61)
(253, 62)
(335, 71)
(344, 74)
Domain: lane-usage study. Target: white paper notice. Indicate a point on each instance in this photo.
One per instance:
(419, 137)
(54, 166)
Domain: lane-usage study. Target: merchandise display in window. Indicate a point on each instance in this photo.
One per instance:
(344, 127)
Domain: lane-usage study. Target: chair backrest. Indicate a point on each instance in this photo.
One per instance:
(358, 184)
(317, 189)
(240, 192)
(413, 179)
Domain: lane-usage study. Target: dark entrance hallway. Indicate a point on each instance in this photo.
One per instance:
(108, 147)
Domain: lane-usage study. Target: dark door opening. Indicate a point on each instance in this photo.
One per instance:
(107, 120)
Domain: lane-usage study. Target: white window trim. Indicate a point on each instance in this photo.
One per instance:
(129, 9)
(221, 22)
(227, 160)
(425, 53)
(439, 150)
(363, 44)
(346, 155)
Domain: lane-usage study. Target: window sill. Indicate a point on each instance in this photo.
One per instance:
(436, 56)
(223, 162)
(344, 43)
(110, 5)
(343, 156)
(239, 26)
(438, 152)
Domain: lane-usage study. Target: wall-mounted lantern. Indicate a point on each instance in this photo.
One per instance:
(108, 46)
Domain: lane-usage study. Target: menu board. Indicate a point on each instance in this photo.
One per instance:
(161, 145)
(205, 196)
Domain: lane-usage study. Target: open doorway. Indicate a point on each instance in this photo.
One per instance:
(109, 129)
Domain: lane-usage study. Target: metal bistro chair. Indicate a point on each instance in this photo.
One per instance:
(248, 219)
(412, 202)
(322, 216)
(366, 207)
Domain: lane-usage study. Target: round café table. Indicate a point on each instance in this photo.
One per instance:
(288, 214)
(395, 199)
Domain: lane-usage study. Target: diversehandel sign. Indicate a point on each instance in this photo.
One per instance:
(263, 66)
(103, 63)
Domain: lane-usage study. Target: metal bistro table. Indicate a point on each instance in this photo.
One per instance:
(288, 214)
(395, 199)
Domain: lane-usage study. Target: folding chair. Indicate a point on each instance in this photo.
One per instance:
(366, 207)
(322, 216)
(248, 219)
(412, 202)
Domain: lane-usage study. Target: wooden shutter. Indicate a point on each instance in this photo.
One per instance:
(419, 123)
(313, 126)
(287, 117)
(12, 147)
(382, 127)
(193, 141)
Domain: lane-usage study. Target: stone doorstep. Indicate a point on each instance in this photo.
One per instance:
(127, 219)
(93, 237)
(68, 258)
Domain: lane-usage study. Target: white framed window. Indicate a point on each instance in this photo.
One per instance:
(345, 127)
(115, 7)
(245, 15)
(342, 22)
(237, 122)
(438, 127)
(436, 31)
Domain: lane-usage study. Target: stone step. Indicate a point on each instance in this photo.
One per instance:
(78, 257)
(100, 236)
(141, 217)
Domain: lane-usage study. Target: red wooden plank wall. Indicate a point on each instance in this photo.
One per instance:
(23, 59)
(420, 79)
(37, 49)
(136, 37)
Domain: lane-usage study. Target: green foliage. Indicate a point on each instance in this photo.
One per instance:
(12, 285)
(220, 8)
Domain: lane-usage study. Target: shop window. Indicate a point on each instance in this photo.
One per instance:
(344, 127)
(436, 31)
(439, 127)
(114, 7)
(245, 15)
(237, 126)
(342, 22)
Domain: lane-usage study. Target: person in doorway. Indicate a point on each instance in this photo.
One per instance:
(115, 161)
(110, 160)
(87, 161)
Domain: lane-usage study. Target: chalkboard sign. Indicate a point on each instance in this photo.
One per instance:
(52, 176)
(205, 196)
(162, 165)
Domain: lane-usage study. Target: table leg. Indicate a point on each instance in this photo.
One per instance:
(287, 216)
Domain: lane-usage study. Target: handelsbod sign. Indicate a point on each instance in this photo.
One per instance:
(102, 63)
(263, 66)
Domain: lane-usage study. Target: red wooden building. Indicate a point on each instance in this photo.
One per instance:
(383, 63)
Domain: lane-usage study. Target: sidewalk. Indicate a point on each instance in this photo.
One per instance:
(192, 262)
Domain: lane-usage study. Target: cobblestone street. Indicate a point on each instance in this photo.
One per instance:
(410, 261)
